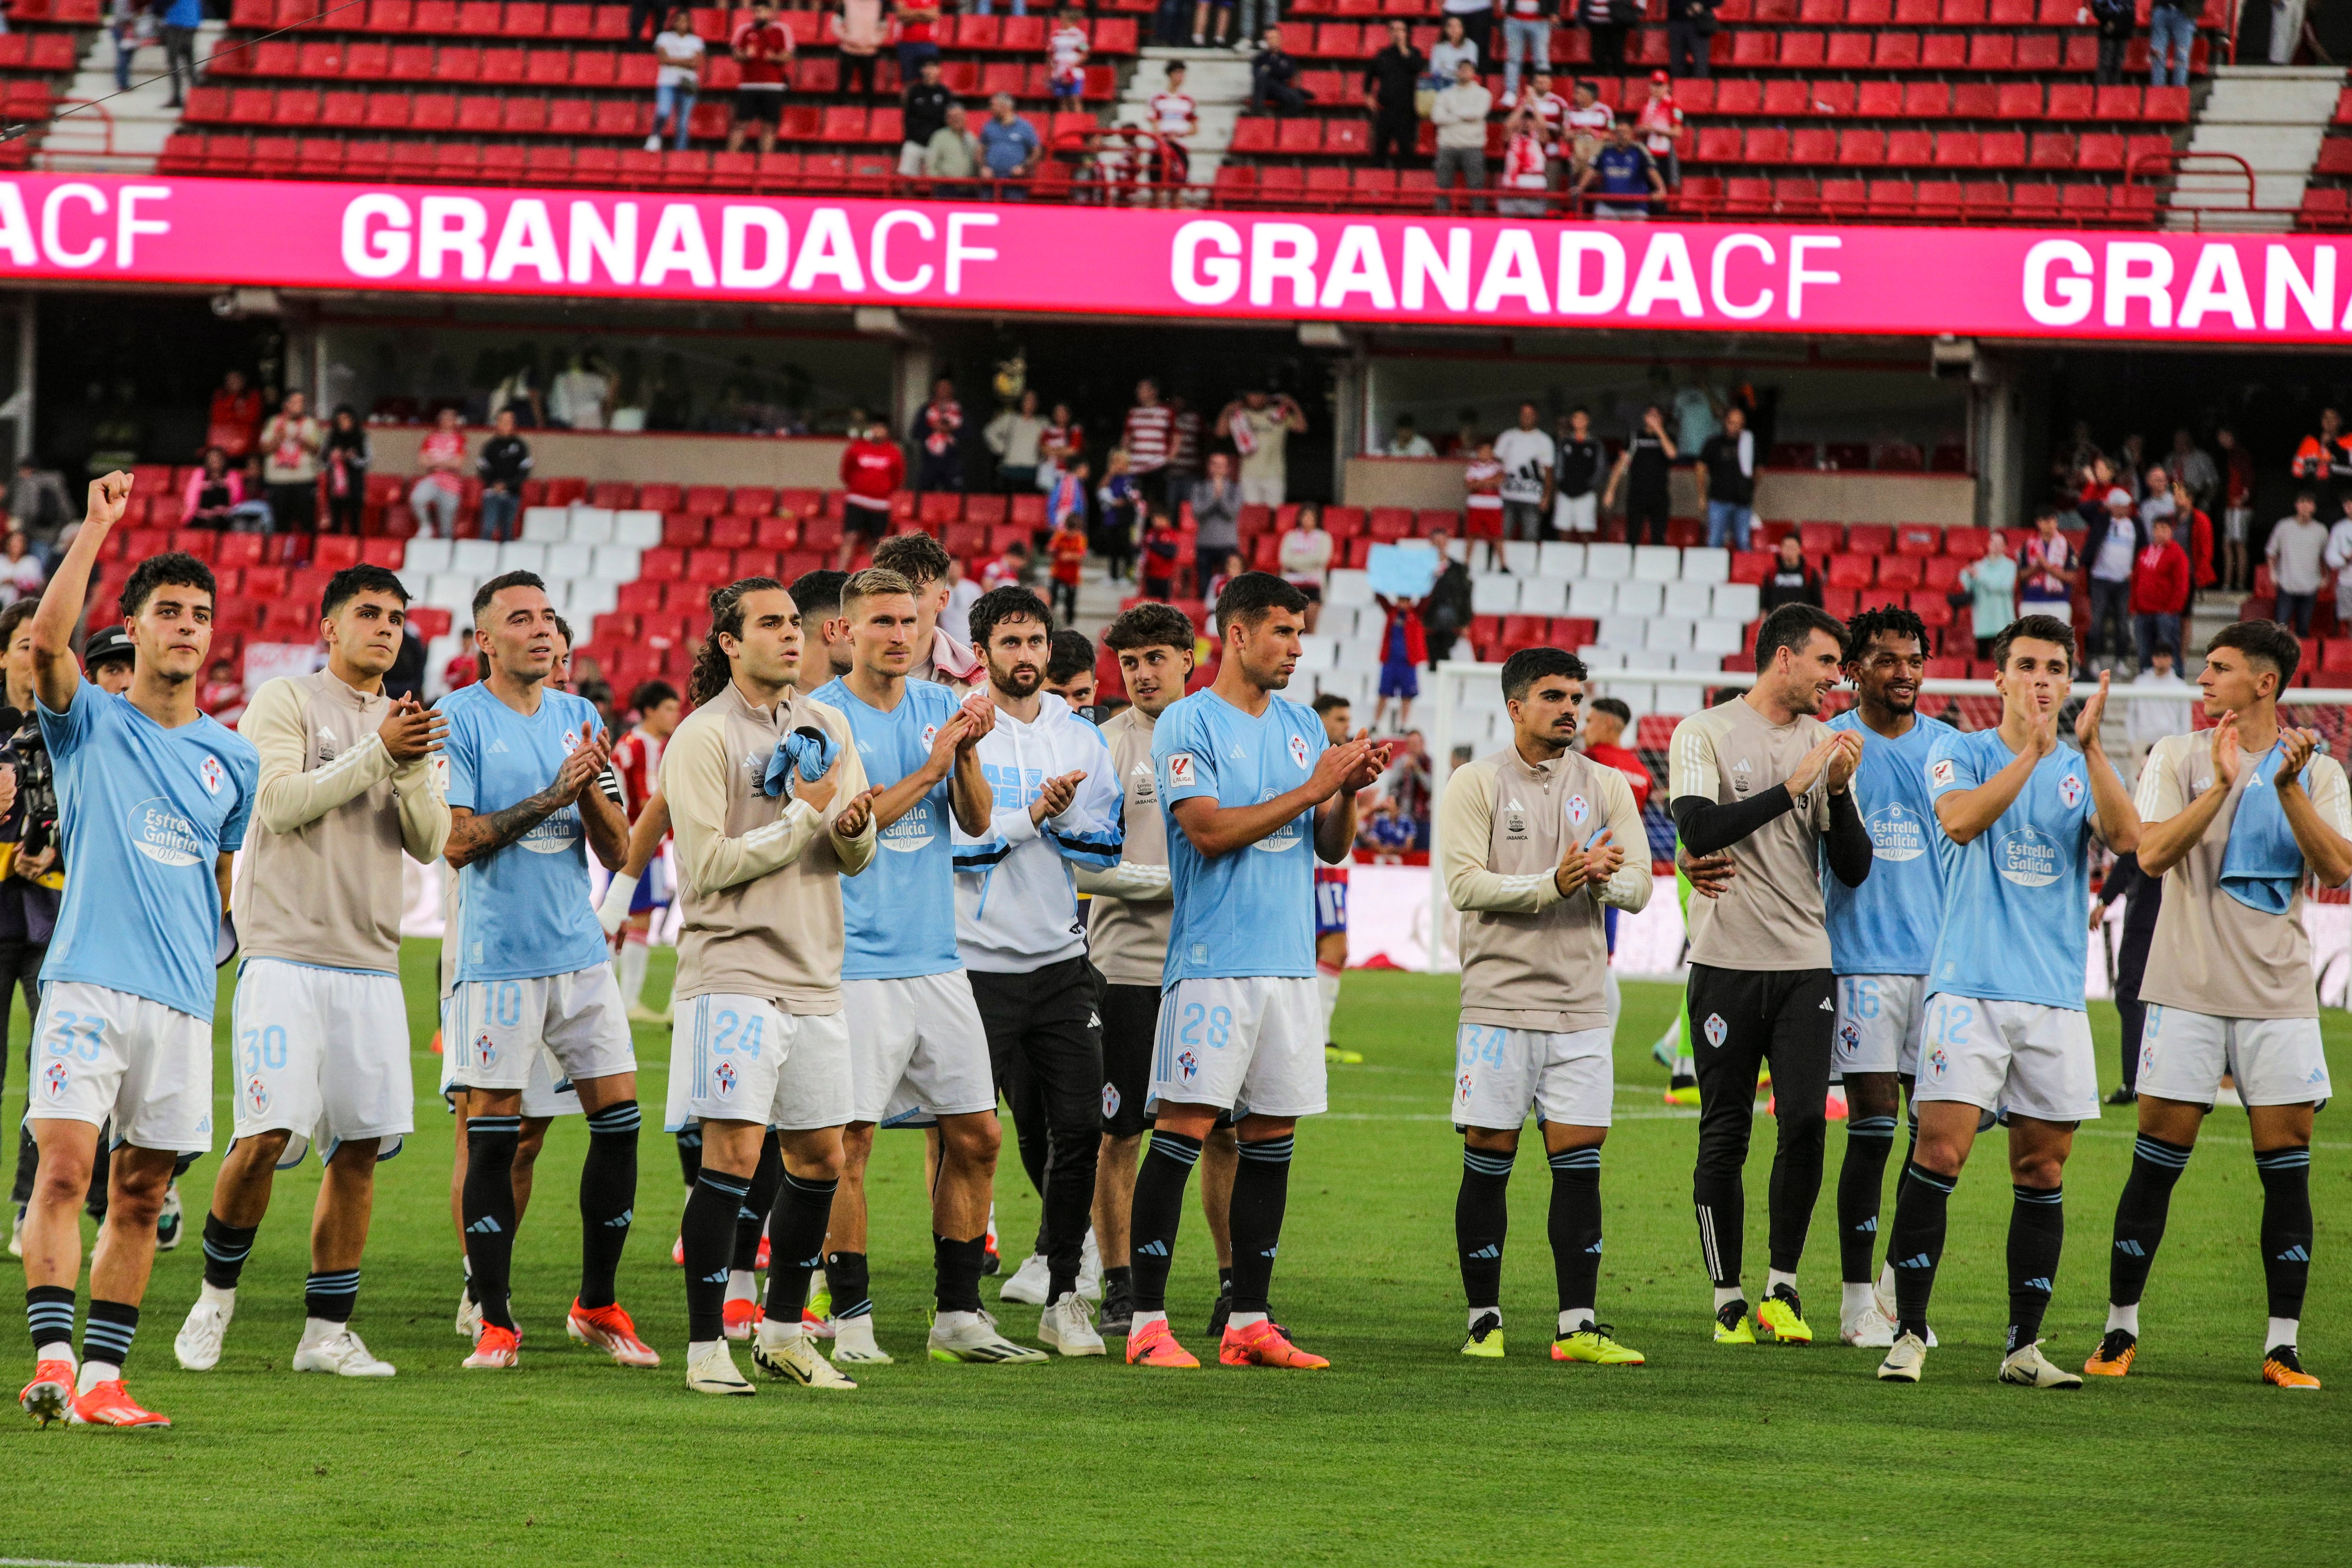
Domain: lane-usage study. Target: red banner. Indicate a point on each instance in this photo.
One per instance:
(1011, 256)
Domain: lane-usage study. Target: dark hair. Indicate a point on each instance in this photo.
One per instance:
(1150, 626)
(819, 589)
(1326, 702)
(2040, 629)
(1252, 596)
(1008, 603)
(917, 558)
(1793, 626)
(173, 568)
(497, 585)
(651, 695)
(353, 580)
(2267, 641)
(13, 616)
(2047, 512)
(711, 670)
(1892, 620)
(564, 630)
(1073, 656)
(1528, 666)
(1616, 708)
(2306, 494)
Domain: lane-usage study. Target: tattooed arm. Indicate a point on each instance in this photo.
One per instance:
(477, 836)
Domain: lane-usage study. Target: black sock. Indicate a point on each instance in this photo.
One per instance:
(1158, 1210)
(489, 1206)
(802, 1209)
(2140, 1214)
(1861, 1181)
(707, 1231)
(330, 1296)
(1482, 1217)
(1722, 1204)
(2037, 1233)
(2286, 1228)
(765, 1182)
(1117, 1281)
(1225, 1282)
(608, 1194)
(227, 1247)
(106, 1336)
(49, 1314)
(689, 1154)
(1575, 1225)
(1922, 1202)
(845, 1280)
(955, 1266)
(1260, 1194)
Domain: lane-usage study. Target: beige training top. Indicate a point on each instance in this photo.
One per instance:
(1127, 939)
(2212, 954)
(1531, 958)
(319, 882)
(1770, 916)
(757, 878)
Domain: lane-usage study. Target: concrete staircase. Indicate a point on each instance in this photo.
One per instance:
(141, 120)
(2272, 117)
(1217, 80)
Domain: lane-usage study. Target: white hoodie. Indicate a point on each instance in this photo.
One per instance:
(1016, 904)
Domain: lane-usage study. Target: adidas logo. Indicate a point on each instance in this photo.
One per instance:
(1094, 1020)
(1153, 1250)
(2038, 1284)
(1269, 1252)
(1513, 806)
(718, 1279)
(2297, 1254)
(484, 1226)
(1593, 1250)
(1826, 1006)
(1868, 1227)
(496, 749)
(2131, 1249)
(1920, 1261)
(1741, 766)
(1488, 1251)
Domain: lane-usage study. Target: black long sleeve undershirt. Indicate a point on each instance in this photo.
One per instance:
(1706, 828)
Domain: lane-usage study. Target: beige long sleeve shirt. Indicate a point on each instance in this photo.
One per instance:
(758, 879)
(319, 882)
(1131, 909)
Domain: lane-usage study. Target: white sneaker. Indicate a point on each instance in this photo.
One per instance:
(852, 1341)
(792, 1358)
(1883, 1293)
(2028, 1368)
(1903, 1360)
(653, 143)
(1090, 1283)
(340, 1353)
(1068, 1325)
(1029, 1282)
(469, 1317)
(198, 1342)
(17, 1233)
(973, 1336)
(711, 1369)
(1867, 1330)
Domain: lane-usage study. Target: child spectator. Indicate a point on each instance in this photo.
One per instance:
(1175, 115)
(1115, 518)
(764, 45)
(1066, 503)
(1068, 546)
(1232, 568)
(1010, 570)
(213, 492)
(859, 28)
(938, 428)
(1482, 477)
(346, 458)
(1063, 440)
(438, 491)
(1404, 646)
(1161, 544)
(678, 78)
(1066, 55)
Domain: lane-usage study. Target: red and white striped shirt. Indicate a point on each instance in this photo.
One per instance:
(1148, 434)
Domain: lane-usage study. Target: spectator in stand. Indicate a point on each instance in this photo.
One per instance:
(2171, 38)
(2113, 549)
(1116, 505)
(290, 442)
(1010, 147)
(1623, 176)
(1260, 426)
(872, 469)
(2195, 531)
(1231, 567)
(345, 459)
(1216, 513)
(2237, 467)
(1065, 59)
(1482, 502)
(917, 24)
(1404, 648)
(1527, 164)
(1663, 131)
(1460, 115)
(1576, 475)
(1066, 503)
(763, 46)
(23, 576)
(922, 113)
(1146, 440)
(1305, 558)
(1063, 440)
(1407, 442)
(222, 696)
(2047, 571)
(1010, 570)
(1609, 21)
(1465, 440)
(2116, 20)
(1068, 549)
(1726, 481)
(2155, 496)
(181, 20)
(1586, 126)
(953, 151)
(955, 619)
(1445, 614)
(2160, 591)
(2325, 460)
(1793, 580)
(938, 433)
(2146, 723)
(678, 79)
(1549, 106)
(1644, 468)
(1392, 78)
(1453, 46)
(1012, 436)
(2338, 559)
(1527, 41)
(1184, 445)
(1212, 24)
(212, 494)
(1476, 20)
(1690, 30)
(2191, 464)
(1174, 118)
(859, 29)
(1528, 458)
(1991, 586)
(1161, 543)
(1274, 77)
(440, 458)
(235, 417)
(1605, 724)
(2297, 554)
(503, 466)
(130, 25)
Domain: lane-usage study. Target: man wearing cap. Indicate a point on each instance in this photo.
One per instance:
(107, 657)
(2115, 542)
(1662, 129)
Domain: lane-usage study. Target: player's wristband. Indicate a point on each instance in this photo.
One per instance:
(613, 912)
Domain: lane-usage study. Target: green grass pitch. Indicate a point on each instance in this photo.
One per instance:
(1404, 1452)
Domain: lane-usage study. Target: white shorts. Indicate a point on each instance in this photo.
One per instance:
(1250, 1046)
(321, 1054)
(1499, 1073)
(492, 1030)
(2275, 1061)
(1264, 492)
(740, 1059)
(100, 1055)
(2022, 1057)
(1577, 514)
(1877, 1023)
(917, 1050)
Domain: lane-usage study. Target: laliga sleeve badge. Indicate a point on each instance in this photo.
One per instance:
(1940, 773)
(1180, 770)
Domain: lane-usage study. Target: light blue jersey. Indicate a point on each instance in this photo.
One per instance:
(2017, 898)
(898, 917)
(1251, 912)
(526, 913)
(1888, 925)
(143, 814)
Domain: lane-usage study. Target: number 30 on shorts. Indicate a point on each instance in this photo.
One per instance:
(1220, 1021)
(79, 1035)
(262, 1048)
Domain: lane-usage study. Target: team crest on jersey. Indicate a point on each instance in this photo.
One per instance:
(1851, 1035)
(1179, 769)
(54, 1079)
(1188, 1065)
(210, 770)
(486, 1049)
(1714, 1029)
(1298, 749)
(1110, 1100)
(930, 734)
(1578, 808)
(2069, 792)
(1940, 772)
(1461, 1087)
(1937, 1063)
(256, 1095)
(723, 1075)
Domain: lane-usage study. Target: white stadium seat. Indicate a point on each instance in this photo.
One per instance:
(1347, 586)
(1691, 599)
(589, 526)
(1609, 560)
(522, 555)
(1701, 565)
(590, 597)
(475, 558)
(617, 563)
(1560, 559)
(1741, 601)
(545, 524)
(453, 590)
(1496, 593)
(1592, 597)
(1641, 598)
(1667, 634)
(1543, 596)
(1719, 636)
(1622, 631)
(569, 560)
(1315, 651)
(1658, 563)
(642, 529)
(1597, 657)
(1519, 556)
(424, 557)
